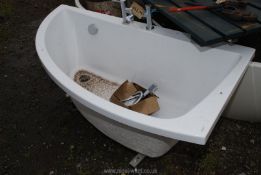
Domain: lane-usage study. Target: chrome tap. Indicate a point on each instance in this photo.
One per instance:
(128, 17)
(147, 15)
(126, 13)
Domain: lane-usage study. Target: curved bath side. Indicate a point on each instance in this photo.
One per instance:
(151, 145)
(246, 102)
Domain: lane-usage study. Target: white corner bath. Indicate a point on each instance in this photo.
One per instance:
(194, 83)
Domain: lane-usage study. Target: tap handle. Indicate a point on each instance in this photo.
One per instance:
(148, 17)
(130, 18)
(147, 10)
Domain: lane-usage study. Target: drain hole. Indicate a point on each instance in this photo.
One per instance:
(84, 78)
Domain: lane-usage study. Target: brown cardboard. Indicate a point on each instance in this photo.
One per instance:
(148, 105)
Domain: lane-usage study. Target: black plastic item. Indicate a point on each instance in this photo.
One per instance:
(233, 9)
(237, 14)
(208, 27)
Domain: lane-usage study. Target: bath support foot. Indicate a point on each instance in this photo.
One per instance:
(136, 160)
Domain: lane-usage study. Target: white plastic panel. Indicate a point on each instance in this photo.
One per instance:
(257, 85)
(246, 103)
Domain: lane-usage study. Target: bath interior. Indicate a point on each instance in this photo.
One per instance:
(181, 85)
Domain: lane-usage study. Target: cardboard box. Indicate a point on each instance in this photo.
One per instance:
(147, 105)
